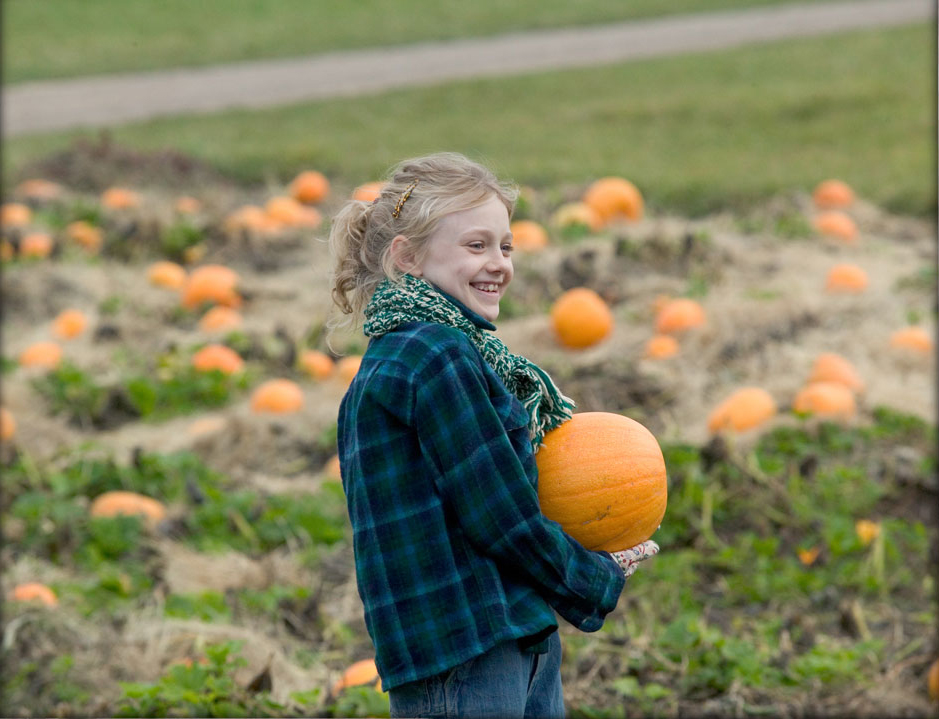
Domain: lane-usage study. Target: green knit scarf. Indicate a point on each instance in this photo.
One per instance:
(416, 300)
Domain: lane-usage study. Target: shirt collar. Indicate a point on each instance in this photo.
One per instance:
(476, 319)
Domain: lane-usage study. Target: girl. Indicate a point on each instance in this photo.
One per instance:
(459, 572)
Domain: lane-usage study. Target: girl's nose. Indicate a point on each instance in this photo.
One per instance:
(498, 262)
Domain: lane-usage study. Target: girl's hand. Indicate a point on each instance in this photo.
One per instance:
(628, 559)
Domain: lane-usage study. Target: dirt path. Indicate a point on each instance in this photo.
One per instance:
(112, 100)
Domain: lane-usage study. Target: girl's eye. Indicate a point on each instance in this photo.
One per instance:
(507, 248)
(477, 245)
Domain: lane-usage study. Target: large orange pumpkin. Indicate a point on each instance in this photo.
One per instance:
(614, 197)
(309, 186)
(581, 318)
(602, 477)
(830, 194)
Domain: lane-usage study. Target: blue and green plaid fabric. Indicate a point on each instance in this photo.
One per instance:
(452, 553)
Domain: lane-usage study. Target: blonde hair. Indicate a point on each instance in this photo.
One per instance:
(361, 233)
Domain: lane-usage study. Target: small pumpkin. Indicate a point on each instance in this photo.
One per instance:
(679, 315)
(211, 283)
(832, 194)
(368, 191)
(332, 468)
(164, 273)
(745, 409)
(15, 214)
(867, 531)
(602, 477)
(120, 198)
(837, 225)
(39, 189)
(832, 367)
(357, 674)
(846, 278)
(614, 198)
(528, 235)
(280, 396)
(318, 365)
(932, 681)
(808, 556)
(581, 318)
(347, 367)
(825, 399)
(187, 205)
(85, 234)
(34, 592)
(661, 347)
(7, 424)
(220, 318)
(285, 210)
(246, 217)
(36, 244)
(70, 323)
(220, 357)
(309, 187)
(914, 339)
(577, 213)
(124, 503)
(41, 354)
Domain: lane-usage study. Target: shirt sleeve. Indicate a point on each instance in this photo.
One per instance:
(483, 481)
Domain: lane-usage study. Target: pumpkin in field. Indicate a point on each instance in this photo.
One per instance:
(825, 399)
(368, 191)
(280, 396)
(39, 189)
(211, 283)
(36, 244)
(220, 318)
(614, 198)
(164, 273)
(837, 225)
(932, 681)
(220, 357)
(15, 214)
(47, 355)
(187, 205)
(68, 324)
(123, 503)
(866, 530)
(661, 347)
(830, 194)
(601, 476)
(34, 592)
(357, 674)
(846, 278)
(577, 213)
(291, 213)
(120, 198)
(831, 367)
(347, 367)
(318, 365)
(309, 187)
(744, 409)
(914, 339)
(85, 234)
(679, 315)
(581, 318)
(7, 424)
(528, 235)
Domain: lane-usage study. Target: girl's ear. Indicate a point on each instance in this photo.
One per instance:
(403, 256)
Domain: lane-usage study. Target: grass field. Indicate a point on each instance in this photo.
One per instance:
(695, 132)
(69, 38)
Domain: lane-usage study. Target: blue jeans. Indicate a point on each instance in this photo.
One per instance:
(503, 682)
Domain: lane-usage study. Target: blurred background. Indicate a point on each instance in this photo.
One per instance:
(169, 171)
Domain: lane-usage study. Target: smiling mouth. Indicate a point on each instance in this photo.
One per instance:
(487, 288)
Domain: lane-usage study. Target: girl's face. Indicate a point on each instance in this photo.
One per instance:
(469, 257)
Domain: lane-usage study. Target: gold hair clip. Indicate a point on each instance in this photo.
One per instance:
(404, 198)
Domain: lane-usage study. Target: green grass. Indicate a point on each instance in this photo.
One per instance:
(68, 38)
(695, 133)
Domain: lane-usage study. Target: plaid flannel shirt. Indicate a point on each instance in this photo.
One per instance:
(452, 553)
